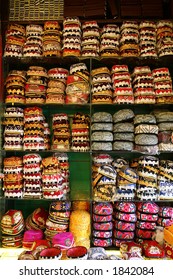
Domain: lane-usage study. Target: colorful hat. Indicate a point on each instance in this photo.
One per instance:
(146, 225)
(64, 240)
(166, 212)
(102, 208)
(60, 206)
(102, 218)
(77, 252)
(130, 246)
(126, 226)
(147, 217)
(102, 242)
(148, 207)
(50, 253)
(103, 226)
(144, 234)
(126, 217)
(151, 249)
(123, 234)
(127, 207)
(30, 236)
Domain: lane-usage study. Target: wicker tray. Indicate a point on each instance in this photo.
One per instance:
(24, 10)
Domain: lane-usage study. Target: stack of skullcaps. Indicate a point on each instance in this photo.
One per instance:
(123, 130)
(147, 186)
(52, 41)
(103, 178)
(13, 128)
(80, 132)
(143, 86)
(126, 183)
(101, 86)
(109, 40)
(71, 37)
(146, 134)
(165, 179)
(58, 218)
(77, 90)
(147, 215)
(36, 85)
(129, 39)
(12, 227)
(124, 222)
(34, 129)
(64, 166)
(122, 86)
(165, 216)
(13, 177)
(61, 132)
(32, 176)
(57, 78)
(80, 227)
(147, 38)
(15, 38)
(15, 87)
(33, 46)
(162, 85)
(102, 224)
(101, 135)
(164, 120)
(52, 179)
(164, 30)
(90, 39)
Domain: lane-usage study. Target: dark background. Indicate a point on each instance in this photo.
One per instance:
(108, 9)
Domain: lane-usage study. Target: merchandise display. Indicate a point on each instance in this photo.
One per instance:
(117, 179)
(55, 92)
(147, 39)
(117, 85)
(35, 177)
(87, 139)
(118, 225)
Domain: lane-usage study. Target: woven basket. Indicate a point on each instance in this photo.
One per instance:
(35, 10)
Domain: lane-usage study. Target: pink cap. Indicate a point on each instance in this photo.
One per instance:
(32, 235)
(63, 240)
